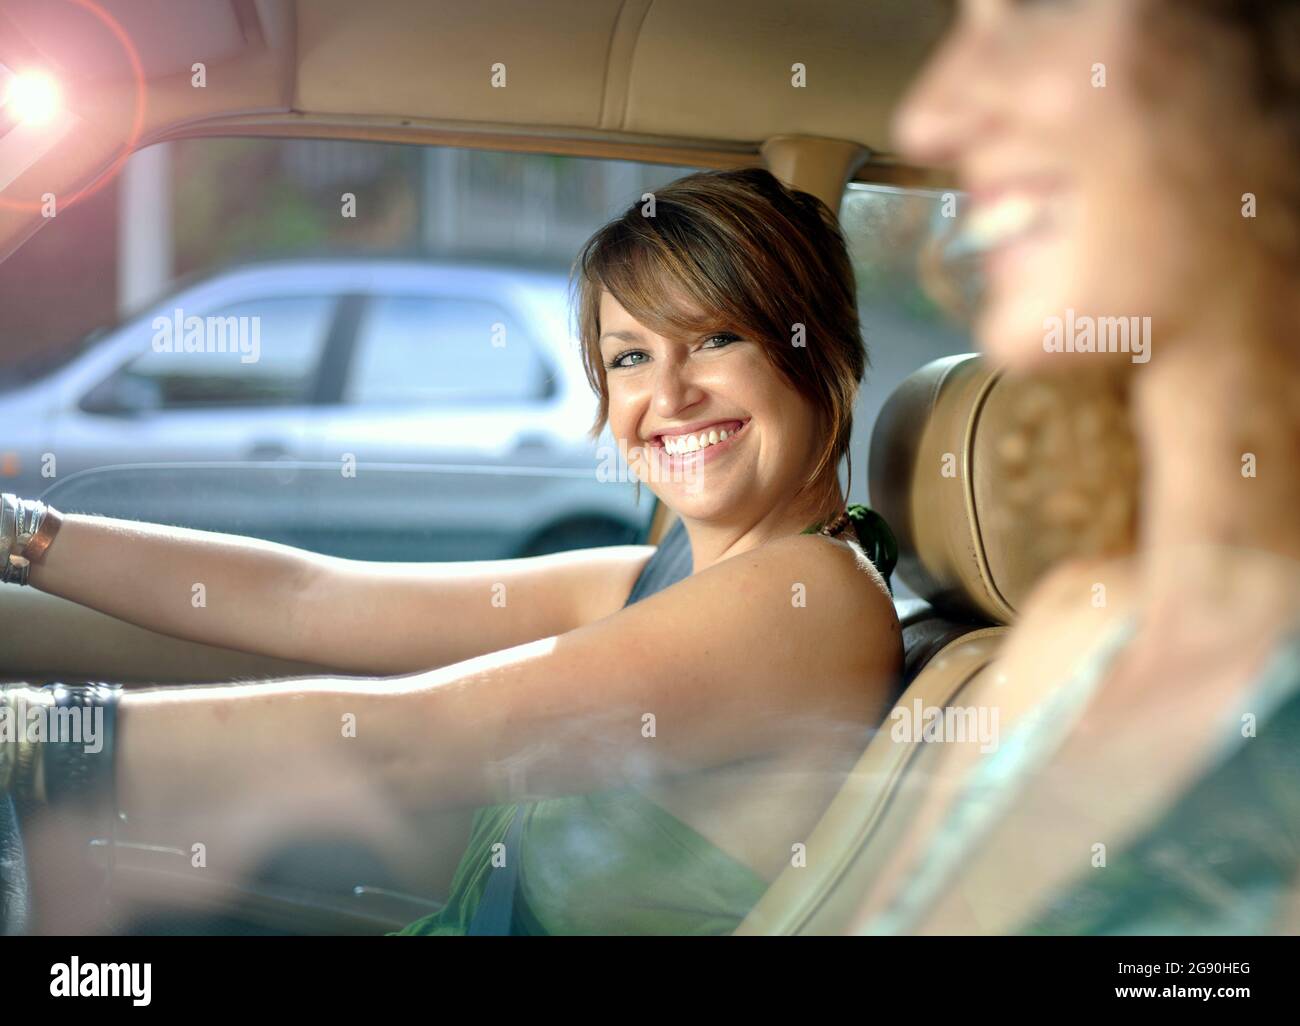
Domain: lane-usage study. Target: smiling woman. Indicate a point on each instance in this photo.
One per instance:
(644, 755)
(726, 303)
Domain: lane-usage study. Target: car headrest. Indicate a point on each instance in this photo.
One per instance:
(988, 480)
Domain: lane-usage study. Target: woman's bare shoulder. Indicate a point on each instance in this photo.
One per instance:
(835, 578)
(783, 614)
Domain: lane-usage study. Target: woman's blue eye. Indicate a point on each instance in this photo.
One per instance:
(635, 357)
(621, 359)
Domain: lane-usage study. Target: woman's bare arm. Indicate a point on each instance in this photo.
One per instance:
(720, 667)
(363, 618)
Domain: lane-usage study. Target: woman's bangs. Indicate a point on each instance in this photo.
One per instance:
(663, 292)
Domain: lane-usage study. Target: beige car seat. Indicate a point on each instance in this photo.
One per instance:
(934, 476)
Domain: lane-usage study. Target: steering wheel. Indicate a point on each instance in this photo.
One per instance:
(15, 894)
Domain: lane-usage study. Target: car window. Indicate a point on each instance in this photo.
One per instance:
(421, 349)
(264, 352)
(892, 234)
(457, 241)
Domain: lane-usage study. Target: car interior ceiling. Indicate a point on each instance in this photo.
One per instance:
(280, 63)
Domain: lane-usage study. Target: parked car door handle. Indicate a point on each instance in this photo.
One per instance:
(268, 452)
(532, 442)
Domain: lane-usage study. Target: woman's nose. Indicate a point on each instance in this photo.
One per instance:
(675, 388)
(949, 101)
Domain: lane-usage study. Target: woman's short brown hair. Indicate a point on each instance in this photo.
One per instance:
(735, 250)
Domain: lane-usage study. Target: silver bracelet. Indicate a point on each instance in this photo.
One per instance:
(20, 520)
(8, 515)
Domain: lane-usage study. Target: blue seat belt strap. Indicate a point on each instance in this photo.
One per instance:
(496, 909)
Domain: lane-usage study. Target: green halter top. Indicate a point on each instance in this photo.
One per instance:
(875, 537)
(613, 862)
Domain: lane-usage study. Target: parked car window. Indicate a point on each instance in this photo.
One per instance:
(258, 353)
(408, 406)
(418, 349)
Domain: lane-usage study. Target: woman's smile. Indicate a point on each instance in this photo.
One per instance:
(698, 444)
(1009, 224)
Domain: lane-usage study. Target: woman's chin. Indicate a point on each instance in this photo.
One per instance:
(694, 504)
(692, 507)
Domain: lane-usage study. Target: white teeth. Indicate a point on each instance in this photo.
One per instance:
(680, 444)
(991, 224)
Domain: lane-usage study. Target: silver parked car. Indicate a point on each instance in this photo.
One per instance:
(433, 411)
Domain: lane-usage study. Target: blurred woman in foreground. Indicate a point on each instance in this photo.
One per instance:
(1134, 158)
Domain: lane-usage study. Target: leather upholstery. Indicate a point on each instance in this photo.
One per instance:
(925, 635)
(936, 477)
